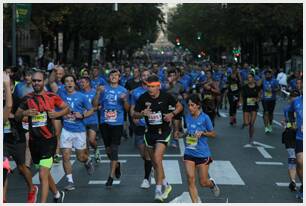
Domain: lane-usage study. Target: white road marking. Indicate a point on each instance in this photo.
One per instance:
(102, 182)
(274, 121)
(133, 155)
(269, 163)
(248, 146)
(108, 161)
(172, 172)
(182, 146)
(264, 153)
(183, 198)
(222, 114)
(263, 145)
(57, 172)
(224, 173)
(286, 184)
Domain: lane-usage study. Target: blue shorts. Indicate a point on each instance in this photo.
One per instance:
(139, 140)
(298, 146)
(198, 160)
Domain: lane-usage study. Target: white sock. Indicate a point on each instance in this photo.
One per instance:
(165, 182)
(158, 188)
(57, 195)
(69, 178)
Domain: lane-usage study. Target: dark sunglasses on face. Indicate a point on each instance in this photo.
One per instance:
(36, 80)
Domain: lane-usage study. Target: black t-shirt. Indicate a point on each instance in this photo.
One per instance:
(163, 104)
(249, 94)
(233, 86)
(132, 84)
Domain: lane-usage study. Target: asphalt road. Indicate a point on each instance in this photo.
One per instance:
(256, 174)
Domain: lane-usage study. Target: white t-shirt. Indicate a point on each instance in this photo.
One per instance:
(282, 78)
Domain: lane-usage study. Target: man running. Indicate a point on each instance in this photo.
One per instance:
(158, 108)
(39, 108)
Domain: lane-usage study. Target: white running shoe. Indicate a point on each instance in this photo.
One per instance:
(145, 184)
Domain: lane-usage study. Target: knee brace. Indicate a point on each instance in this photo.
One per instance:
(114, 152)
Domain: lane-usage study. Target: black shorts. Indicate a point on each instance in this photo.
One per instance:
(288, 138)
(152, 138)
(198, 160)
(268, 106)
(17, 151)
(42, 148)
(93, 127)
(111, 134)
(250, 108)
(298, 146)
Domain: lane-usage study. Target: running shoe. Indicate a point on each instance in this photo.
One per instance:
(215, 189)
(174, 143)
(118, 171)
(89, 167)
(109, 182)
(292, 186)
(167, 191)
(97, 155)
(158, 196)
(145, 184)
(270, 128)
(60, 199)
(56, 159)
(32, 196)
(70, 186)
(267, 130)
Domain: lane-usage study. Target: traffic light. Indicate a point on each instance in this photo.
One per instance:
(177, 40)
(236, 52)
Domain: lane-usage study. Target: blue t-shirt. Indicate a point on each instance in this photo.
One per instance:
(77, 102)
(244, 74)
(136, 93)
(97, 82)
(269, 88)
(292, 84)
(297, 107)
(112, 110)
(185, 81)
(92, 119)
(124, 79)
(200, 147)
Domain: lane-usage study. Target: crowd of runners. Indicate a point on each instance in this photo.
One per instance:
(49, 114)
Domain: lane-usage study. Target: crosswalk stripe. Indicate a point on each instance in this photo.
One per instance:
(102, 182)
(264, 153)
(224, 173)
(172, 172)
(57, 172)
(286, 184)
(269, 163)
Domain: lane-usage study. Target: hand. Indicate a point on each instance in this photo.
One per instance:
(78, 115)
(6, 78)
(198, 134)
(168, 117)
(100, 89)
(52, 114)
(123, 97)
(146, 112)
(30, 112)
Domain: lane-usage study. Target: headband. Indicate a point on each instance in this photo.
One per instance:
(153, 84)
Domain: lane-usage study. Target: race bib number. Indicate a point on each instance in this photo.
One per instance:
(155, 118)
(110, 115)
(234, 87)
(39, 120)
(251, 101)
(191, 141)
(7, 127)
(207, 96)
(268, 94)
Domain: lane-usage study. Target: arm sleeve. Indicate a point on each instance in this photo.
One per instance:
(208, 124)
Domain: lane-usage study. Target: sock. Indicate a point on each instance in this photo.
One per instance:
(158, 188)
(57, 195)
(69, 178)
(148, 168)
(165, 182)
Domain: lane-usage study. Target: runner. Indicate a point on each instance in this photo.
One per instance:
(158, 108)
(74, 131)
(39, 108)
(91, 122)
(139, 130)
(250, 95)
(269, 88)
(209, 94)
(288, 139)
(113, 99)
(297, 107)
(233, 93)
(197, 155)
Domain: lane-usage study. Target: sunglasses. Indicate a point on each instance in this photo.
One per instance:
(36, 80)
